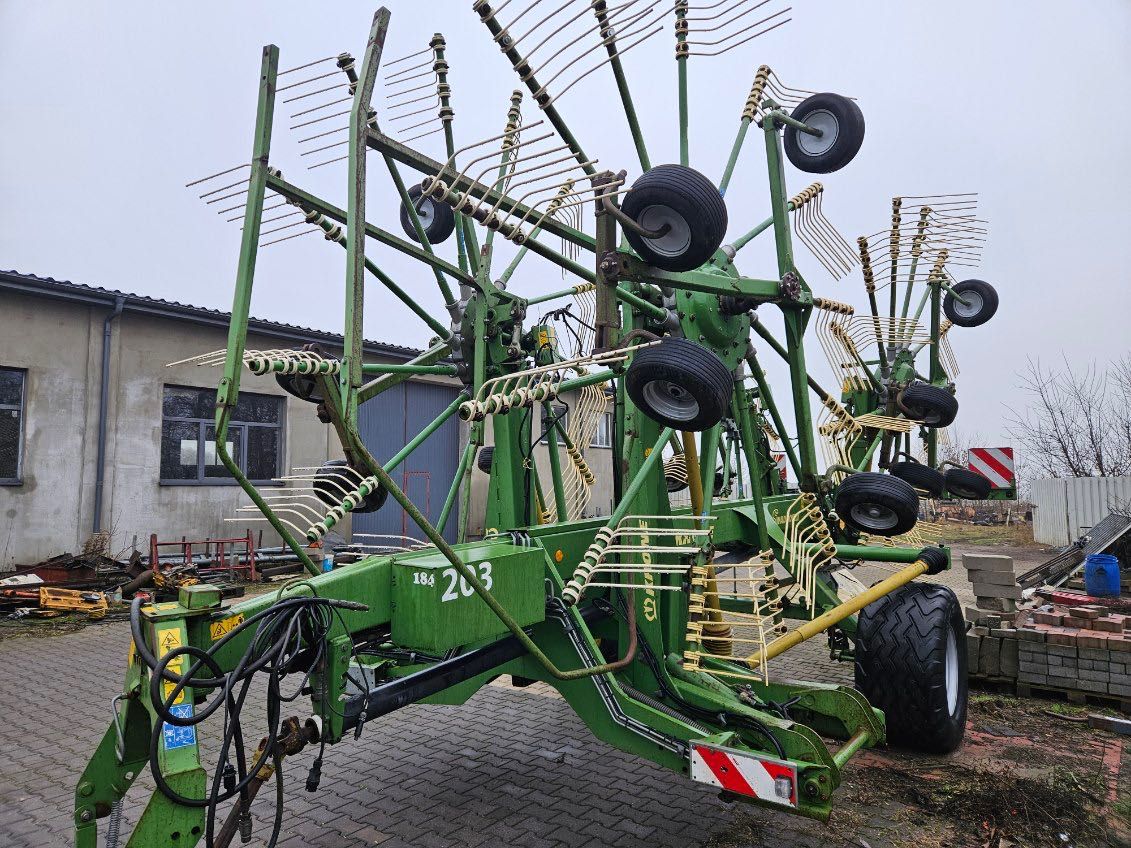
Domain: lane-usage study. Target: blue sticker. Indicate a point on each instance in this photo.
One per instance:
(175, 736)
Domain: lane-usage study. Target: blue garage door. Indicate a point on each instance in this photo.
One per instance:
(387, 423)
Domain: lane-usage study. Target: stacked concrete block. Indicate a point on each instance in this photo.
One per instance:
(995, 585)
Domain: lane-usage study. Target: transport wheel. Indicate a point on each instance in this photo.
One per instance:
(438, 219)
(978, 304)
(675, 473)
(911, 663)
(484, 459)
(842, 132)
(920, 476)
(331, 484)
(968, 485)
(934, 406)
(877, 503)
(688, 204)
(680, 384)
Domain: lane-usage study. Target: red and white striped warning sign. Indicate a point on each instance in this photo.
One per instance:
(779, 461)
(996, 464)
(744, 774)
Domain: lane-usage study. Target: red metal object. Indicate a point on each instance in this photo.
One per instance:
(218, 554)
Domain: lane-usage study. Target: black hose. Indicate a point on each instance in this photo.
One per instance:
(722, 717)
(290, 635)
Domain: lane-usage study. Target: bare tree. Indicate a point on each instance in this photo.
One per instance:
(1078, 423)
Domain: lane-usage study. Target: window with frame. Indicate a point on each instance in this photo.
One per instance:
(603, 435)
(188, 437)
(561, 413)
(12, 393)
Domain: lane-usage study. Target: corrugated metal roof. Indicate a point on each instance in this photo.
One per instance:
(80, 293)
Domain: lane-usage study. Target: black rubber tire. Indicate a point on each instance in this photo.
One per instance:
(302, 386)
(972, 314)
(920, 476)
(877, 503)
(442, 221)
(692, 197)
(327, 486)
(675, 474)
(679, 371)
(833, 113)
(933, 406)
(901, 666)
(484, 459)
(968, 485)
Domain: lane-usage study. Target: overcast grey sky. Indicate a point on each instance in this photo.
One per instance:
(110, 107)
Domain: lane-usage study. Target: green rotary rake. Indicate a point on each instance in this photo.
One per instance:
(659, 622)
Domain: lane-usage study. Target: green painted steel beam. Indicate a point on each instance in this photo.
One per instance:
(426, 165)
(309, 201)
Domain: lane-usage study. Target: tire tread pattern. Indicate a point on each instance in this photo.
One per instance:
(901, 665)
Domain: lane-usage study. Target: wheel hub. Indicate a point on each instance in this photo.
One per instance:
(826, 122)
(678, 237)
(874, 516)
(970, 305)
(671, 400)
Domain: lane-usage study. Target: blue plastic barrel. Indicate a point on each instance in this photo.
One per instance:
(1101, 575)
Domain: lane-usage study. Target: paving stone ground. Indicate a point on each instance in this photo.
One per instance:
(511, 767)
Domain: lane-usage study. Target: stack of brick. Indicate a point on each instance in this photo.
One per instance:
(1084, 649)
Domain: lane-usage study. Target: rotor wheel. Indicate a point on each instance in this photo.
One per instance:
(484, 459)
(681, 384)
(920, 476)
(330, 481)
(675, 473)
(437, 219)
(967, 485)
(684, 202)
(911, 663)
(879, 504)
(978, 304)
(841, 124)
(933, 406)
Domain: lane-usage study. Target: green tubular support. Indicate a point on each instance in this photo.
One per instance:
(383, 368)
(457, 481)
(736, 148)
(657, 313)
(387, 381)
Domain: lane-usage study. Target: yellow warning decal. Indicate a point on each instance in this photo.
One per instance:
(167, 639)
(219, 629)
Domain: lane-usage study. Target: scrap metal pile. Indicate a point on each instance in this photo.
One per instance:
(659, 622)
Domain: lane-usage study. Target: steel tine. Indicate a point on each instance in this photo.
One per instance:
(218, 174)
(307, 65)
(322, 134)
(319, 120)
(322, 106)
(306, 82)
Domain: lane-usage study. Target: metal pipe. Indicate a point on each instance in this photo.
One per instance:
(657, 313)
(386, 368)
(743, 126)
(103, 404)
(457, 482)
